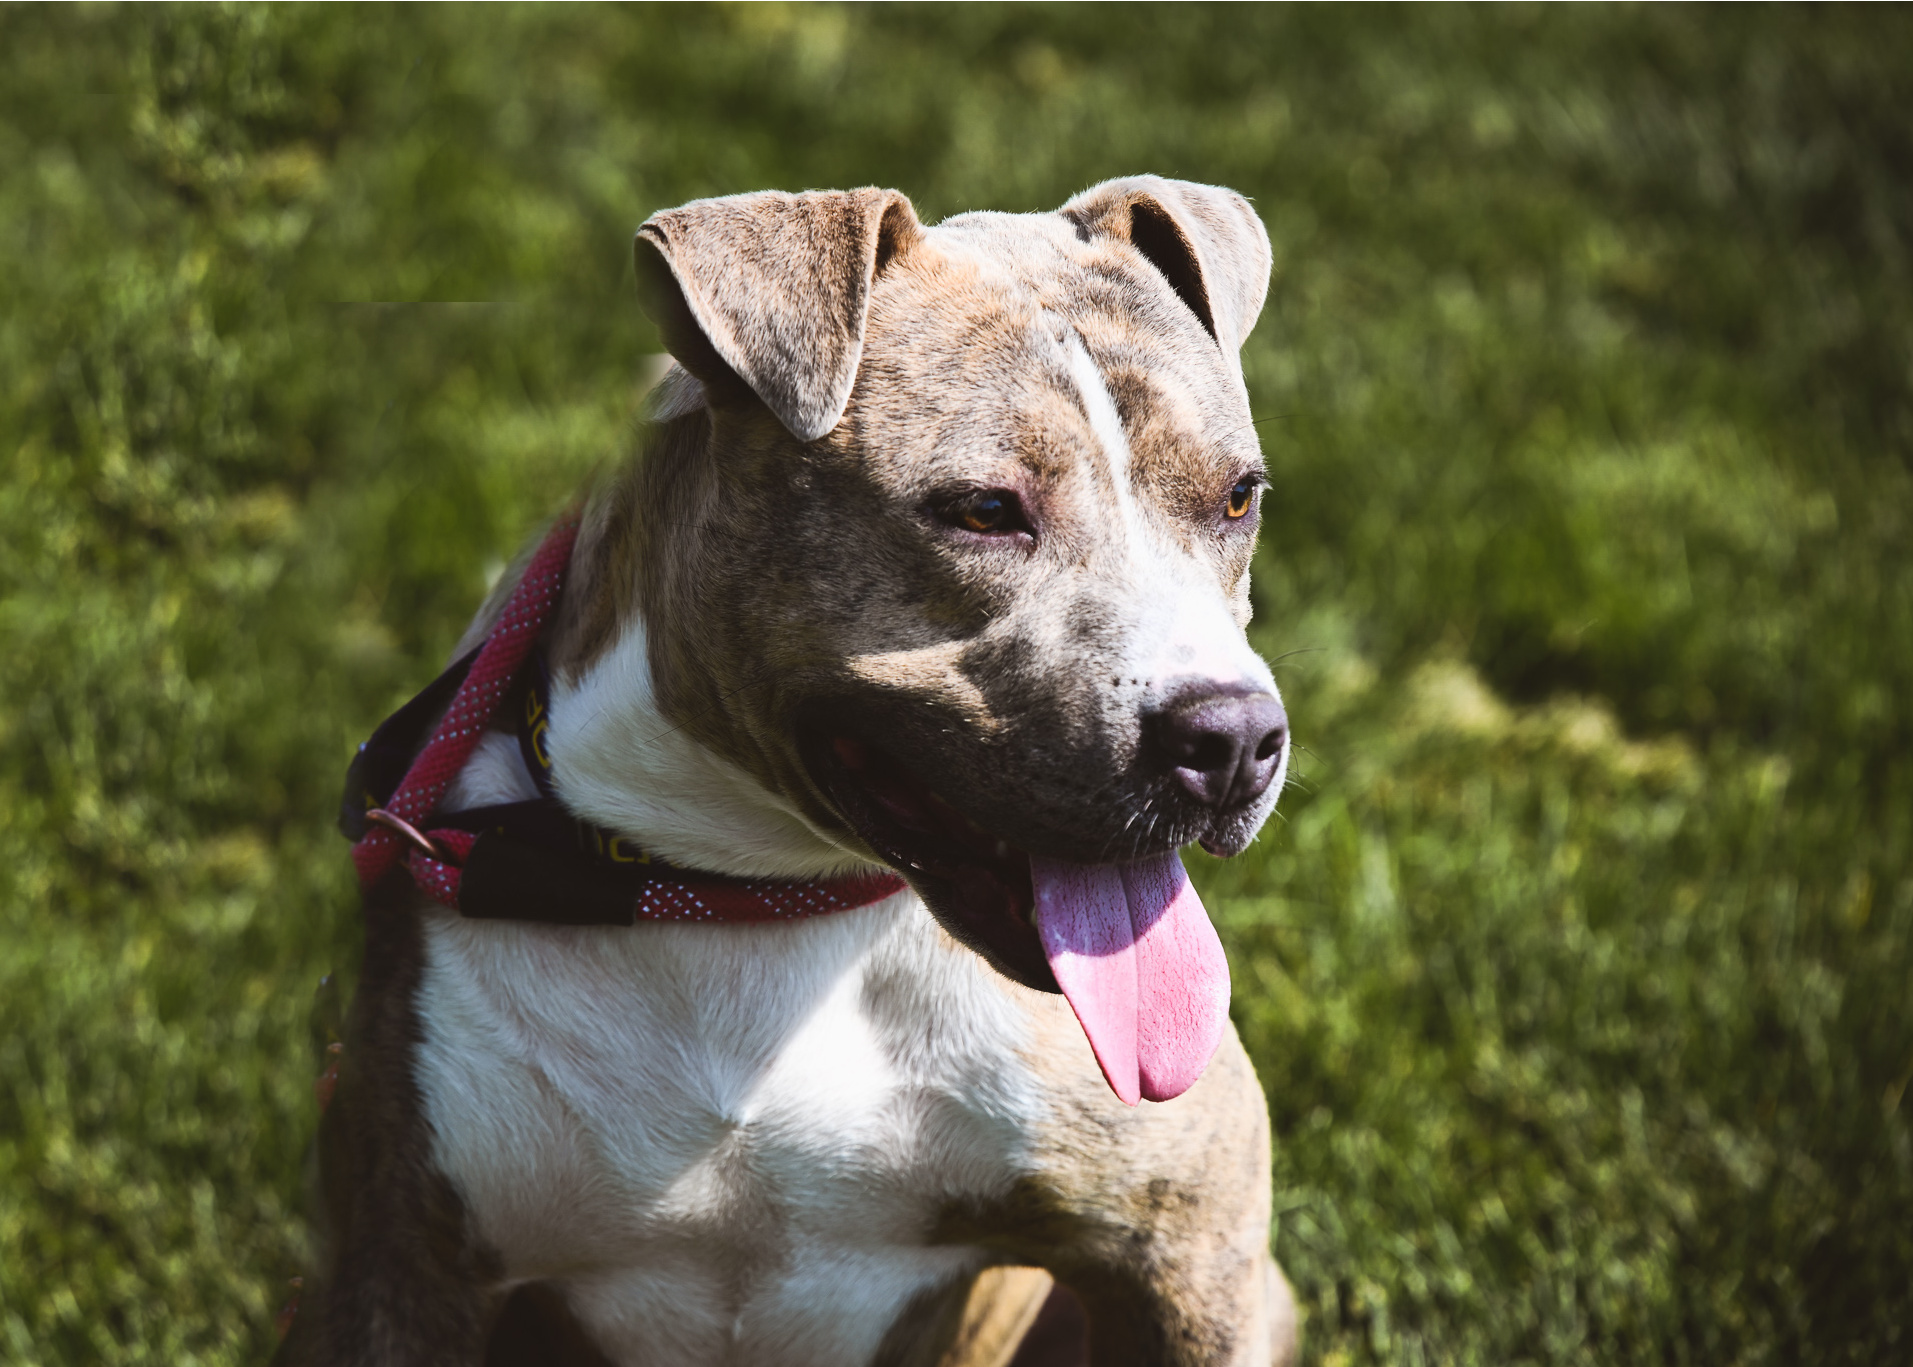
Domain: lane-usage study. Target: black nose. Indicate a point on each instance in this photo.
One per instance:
(1223, 746)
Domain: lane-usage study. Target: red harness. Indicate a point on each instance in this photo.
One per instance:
(532, 860)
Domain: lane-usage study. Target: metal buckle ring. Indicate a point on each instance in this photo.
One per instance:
(380, 817)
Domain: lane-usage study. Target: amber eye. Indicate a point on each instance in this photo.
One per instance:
(985, 510)
(984, 513)
(1242, 497)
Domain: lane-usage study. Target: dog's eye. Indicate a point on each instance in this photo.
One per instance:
(984, 513)
(985, 510)
(1242, 497)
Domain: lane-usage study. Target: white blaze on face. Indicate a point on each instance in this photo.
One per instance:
(1130, 944)
(1183, 634)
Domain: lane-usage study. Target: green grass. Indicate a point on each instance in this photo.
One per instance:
(1578, 966)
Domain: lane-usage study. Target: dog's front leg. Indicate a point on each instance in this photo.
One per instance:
(401, 1282)
(1157, 1217)
(1173, 1262)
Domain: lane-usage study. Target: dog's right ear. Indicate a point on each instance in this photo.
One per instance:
(1206, 241)
(767, 294)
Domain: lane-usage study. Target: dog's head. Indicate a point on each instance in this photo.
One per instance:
(945, 536)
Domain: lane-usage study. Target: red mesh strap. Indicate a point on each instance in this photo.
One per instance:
(472, 706)
(717, 900)
(700, 900)
(438, 878)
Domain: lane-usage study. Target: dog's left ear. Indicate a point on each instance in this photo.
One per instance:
(1206, 241)
(767, 294)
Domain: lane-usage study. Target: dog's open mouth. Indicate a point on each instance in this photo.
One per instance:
(979, 884)
(1128, 944)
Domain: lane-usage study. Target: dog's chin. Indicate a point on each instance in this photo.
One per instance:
(976, 884)
(1230, 835)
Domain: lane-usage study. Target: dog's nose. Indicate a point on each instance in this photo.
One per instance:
(1224, 747)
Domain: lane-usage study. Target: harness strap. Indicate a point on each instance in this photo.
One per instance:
(487, 680)
(533, 860)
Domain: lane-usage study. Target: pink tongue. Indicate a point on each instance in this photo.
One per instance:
(1135, 954)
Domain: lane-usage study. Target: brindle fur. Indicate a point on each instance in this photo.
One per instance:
(841, 363)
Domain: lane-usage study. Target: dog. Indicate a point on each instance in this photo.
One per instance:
(920, 608)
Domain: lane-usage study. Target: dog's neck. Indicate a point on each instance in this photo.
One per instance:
(618, 762)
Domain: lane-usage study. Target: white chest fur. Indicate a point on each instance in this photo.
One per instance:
(726, 1143)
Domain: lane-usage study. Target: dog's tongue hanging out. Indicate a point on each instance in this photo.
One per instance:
(1135, 954)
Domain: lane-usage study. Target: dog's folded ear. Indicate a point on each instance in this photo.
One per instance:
(768, 293)
(1206, 241)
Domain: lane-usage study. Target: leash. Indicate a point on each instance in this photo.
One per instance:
(533, 860)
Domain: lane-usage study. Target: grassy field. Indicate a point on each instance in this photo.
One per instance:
(1579, 968)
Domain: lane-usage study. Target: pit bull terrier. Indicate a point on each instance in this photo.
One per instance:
(913, 635)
